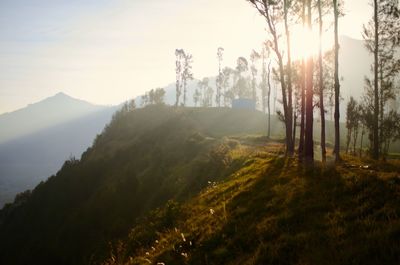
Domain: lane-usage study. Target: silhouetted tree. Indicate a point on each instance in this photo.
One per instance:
(265, 85)
(220, 77)
(353, 114)
(179, 54)
(131, 105)
(154, 96)
(206, 92)
(309, 140)
(186, 73)
(242, 83)
(321, 84)
(196, 97)
(337, 82)
(254, 57)
(227, 90)
(382, 36)
(274, 12)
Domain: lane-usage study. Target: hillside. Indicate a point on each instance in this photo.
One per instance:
(35, 141)
(272, 211)
(202, 186)
(141, 160)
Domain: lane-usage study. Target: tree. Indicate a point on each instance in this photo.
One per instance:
(337, 82)
(254, 57)
(187, 73)
(265, 85)
(206, 92)
(242, 84)
(131, 105)
(220, 77)
(352, 122)
(321, 84)
(179, 54)
(303, 91)
(227, 92)
(382, 35)
(158, 96)
(273, 12)
(196, 97)
(154, 96)
(309, 111)
(390, 130)
(145, 100)
(286, 7)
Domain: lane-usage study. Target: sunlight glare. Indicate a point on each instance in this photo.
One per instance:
(305, 43)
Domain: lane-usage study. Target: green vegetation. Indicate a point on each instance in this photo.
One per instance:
(271, 211)
(142, 159)
(201, 186)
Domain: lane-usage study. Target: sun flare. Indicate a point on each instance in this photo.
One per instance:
(305, 43)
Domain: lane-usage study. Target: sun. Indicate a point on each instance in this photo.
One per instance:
(305, 43)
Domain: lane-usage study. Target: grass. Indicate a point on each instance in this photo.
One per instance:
(273, 211)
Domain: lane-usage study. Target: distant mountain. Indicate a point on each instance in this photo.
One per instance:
(37, 140)
(49, 112)
(354, 64)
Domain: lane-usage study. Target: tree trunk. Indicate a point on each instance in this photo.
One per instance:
(348, 140)
(375, 151)
(355, 137)
(289, 76)
(309, 141)
(337, 85)
(303, 95)
(294, 129)
(381, 109)
(268, 100)
(184, 91)
(321, 87)
(361, 142)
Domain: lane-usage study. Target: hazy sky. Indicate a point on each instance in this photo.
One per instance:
(106, 51)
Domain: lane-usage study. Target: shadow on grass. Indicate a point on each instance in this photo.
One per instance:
(296, 216)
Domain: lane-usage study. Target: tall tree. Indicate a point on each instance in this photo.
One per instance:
(375, 152)
(179, 54)
(242, 88)
(303, 90)
(309, 127)
(220, 77)
(206, 92)
(382, 36)
(273, 12)
(286, 8)
(352, 121)
(187, 73)
(227, 92)
(265, 85)
(337, 82)
(196, 97)
(321, 84)
(254, 57)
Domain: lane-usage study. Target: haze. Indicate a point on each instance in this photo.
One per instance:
(108, 51)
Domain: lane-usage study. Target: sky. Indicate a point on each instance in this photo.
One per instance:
(108, 51)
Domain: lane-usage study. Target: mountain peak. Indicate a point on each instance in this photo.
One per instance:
(61, 94)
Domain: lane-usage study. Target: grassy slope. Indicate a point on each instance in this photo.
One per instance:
(140, 161)
(271, 211)
(257, 208)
